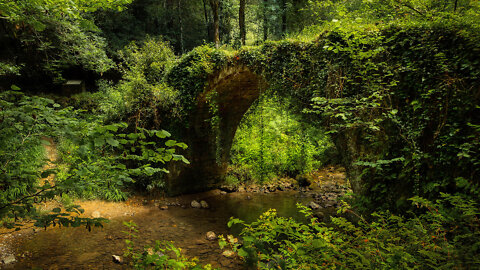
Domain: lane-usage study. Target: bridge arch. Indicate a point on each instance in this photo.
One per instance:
(217, 113)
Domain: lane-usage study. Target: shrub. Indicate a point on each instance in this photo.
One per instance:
(142, 97)
(445, 235)
(272, 141)
(164, 255)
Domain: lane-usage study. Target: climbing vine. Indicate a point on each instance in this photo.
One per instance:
(399, 102)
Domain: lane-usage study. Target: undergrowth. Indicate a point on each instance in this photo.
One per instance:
(439, 235)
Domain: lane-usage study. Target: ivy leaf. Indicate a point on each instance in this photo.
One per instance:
(162, 134)
(113, 128)
(234, 221)
(170, 143)
(112, 142)
(242, 253)
(99, 141)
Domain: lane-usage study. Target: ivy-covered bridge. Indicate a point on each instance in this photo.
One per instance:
(368, 85)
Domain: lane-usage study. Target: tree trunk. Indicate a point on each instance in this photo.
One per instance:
(207, 21)
(265, 20)
(284, 17)
(216, 24)
(241, 21)
(182, 47)
(170, 9)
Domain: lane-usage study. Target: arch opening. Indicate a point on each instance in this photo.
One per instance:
(217, 115)
(228, 96)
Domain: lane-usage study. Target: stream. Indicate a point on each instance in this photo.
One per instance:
(77, 248)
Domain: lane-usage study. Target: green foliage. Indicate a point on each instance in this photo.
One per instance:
(102, 159)
(380, 11)
(398, 98)
(96, 159)
(431, 240)
(190, 75)
(142, 95)
(8, 69)
(181, 23)
(164, 255)
(406, 107)
(272, 141)
(24, 122)
(48, 36)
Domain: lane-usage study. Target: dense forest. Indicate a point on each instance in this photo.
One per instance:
(162, 98)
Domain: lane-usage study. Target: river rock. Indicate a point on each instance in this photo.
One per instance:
(319, 215)
(211, 236)
(204, 204)
(9, 259)
(117, 259)
(164, 207)
(223, 192)
(96, 214)
(313, 205)
(195, 204)
(151, 251)
(229, 189)
(225, 262)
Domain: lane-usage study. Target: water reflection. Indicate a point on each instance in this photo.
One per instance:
(76, 248)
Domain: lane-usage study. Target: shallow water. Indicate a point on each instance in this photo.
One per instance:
(77, 248)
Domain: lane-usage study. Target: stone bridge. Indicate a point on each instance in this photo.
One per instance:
(235, 89)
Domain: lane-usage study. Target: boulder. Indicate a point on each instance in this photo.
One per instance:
(117, 259)
(204, 204)
(164, 207)
(210, 236)
(229, 188)
(319, 215)
(96, 214)
(313, 205)
(195, 204)
(9, 259)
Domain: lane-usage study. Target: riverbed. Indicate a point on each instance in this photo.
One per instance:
(77, 248)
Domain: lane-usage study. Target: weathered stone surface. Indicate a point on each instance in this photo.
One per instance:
(117, 259)
(229, 189)
(211, 236)
(319, 215)
(9, 259)
(236, 88)
(96, 214)
(195, 204)
(313, 205)
(204, 204)
(163, 207)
